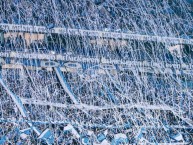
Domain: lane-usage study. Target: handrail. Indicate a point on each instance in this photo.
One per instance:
(94, 33)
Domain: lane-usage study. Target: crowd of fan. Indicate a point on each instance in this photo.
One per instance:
(154, 132)
(54, 93)
(127, 16)
(127, 87)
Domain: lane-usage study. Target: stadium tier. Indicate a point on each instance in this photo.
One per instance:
(96, 72)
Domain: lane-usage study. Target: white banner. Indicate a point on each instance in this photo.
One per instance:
(123, 65)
